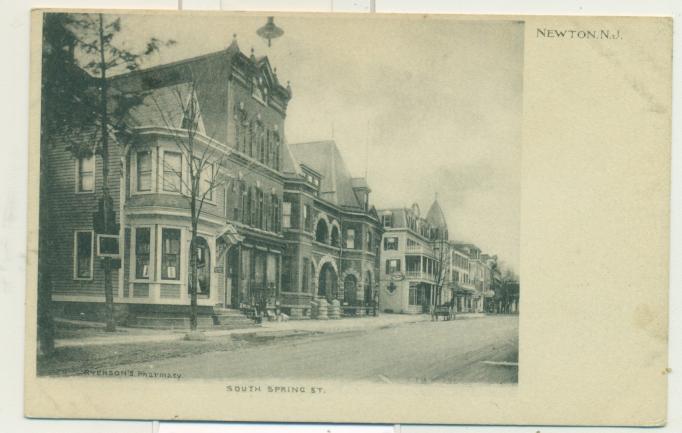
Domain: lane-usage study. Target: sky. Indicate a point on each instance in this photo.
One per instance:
(424, 106)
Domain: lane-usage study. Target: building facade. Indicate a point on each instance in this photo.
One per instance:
(412, 277)
(332, 232)
(279, 225)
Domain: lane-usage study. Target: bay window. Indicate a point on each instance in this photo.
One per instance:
(170, 254)
(172, 172)
(144, 171)
(142, 252)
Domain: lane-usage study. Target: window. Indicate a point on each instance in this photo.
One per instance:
(392, 265)
(83, 255)
(252, 134)
(172, 171)
(413, 295)
(246, 209)
(387, 220)
(390, 243)
(142, 252)
(260, 210)
(369, 240)
(271, 270)
(350, 239)
(275, 214)
(335, 236)
(286, 214)
(246, 202)
(170, 254)
(86, 173)
(307, 217)
(144, 171)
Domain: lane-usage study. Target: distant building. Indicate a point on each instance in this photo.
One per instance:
(411, 278)
(467, 274)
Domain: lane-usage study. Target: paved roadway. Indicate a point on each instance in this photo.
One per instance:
(468, 350)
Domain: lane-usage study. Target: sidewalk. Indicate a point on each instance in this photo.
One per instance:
(136, 335)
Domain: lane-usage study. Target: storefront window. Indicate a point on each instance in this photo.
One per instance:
(142, 252)
(271, 270)
(170, 254)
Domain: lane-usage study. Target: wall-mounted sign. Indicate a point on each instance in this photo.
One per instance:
(219, 270)
(397, 276)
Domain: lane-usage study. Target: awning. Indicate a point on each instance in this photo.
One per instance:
(227, 236)
(230, 234)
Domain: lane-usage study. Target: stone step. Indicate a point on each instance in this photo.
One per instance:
(169, 322)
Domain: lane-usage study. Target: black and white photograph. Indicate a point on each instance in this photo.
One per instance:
(279, 197)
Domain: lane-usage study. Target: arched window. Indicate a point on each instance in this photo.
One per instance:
(335, 236)
(321, 231)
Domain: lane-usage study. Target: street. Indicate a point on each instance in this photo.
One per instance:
(465, 350)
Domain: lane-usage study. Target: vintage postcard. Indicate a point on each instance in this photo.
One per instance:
(348, 218)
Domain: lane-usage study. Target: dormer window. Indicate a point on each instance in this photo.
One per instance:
(258, 90)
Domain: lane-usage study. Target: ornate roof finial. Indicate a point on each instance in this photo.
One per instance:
(253, 56)
(234, 40)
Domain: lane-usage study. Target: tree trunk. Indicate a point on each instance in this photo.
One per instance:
(194, 275)
(46, 329)
(106, 199)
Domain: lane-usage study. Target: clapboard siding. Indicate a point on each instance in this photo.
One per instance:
(71, 211)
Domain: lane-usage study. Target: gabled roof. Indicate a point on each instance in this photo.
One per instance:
(336, 185)
(161, 107)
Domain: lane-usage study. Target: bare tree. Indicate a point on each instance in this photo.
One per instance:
(442, 250)
(100, 56)
(204, 163)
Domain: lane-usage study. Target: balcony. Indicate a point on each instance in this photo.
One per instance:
(418, 249)
(419, 275)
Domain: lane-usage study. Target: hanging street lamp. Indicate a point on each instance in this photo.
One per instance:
(270, 30)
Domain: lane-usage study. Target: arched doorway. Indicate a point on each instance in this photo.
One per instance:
(350, 285)
(327, 286)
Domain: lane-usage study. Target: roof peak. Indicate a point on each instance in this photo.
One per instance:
(436, 216)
